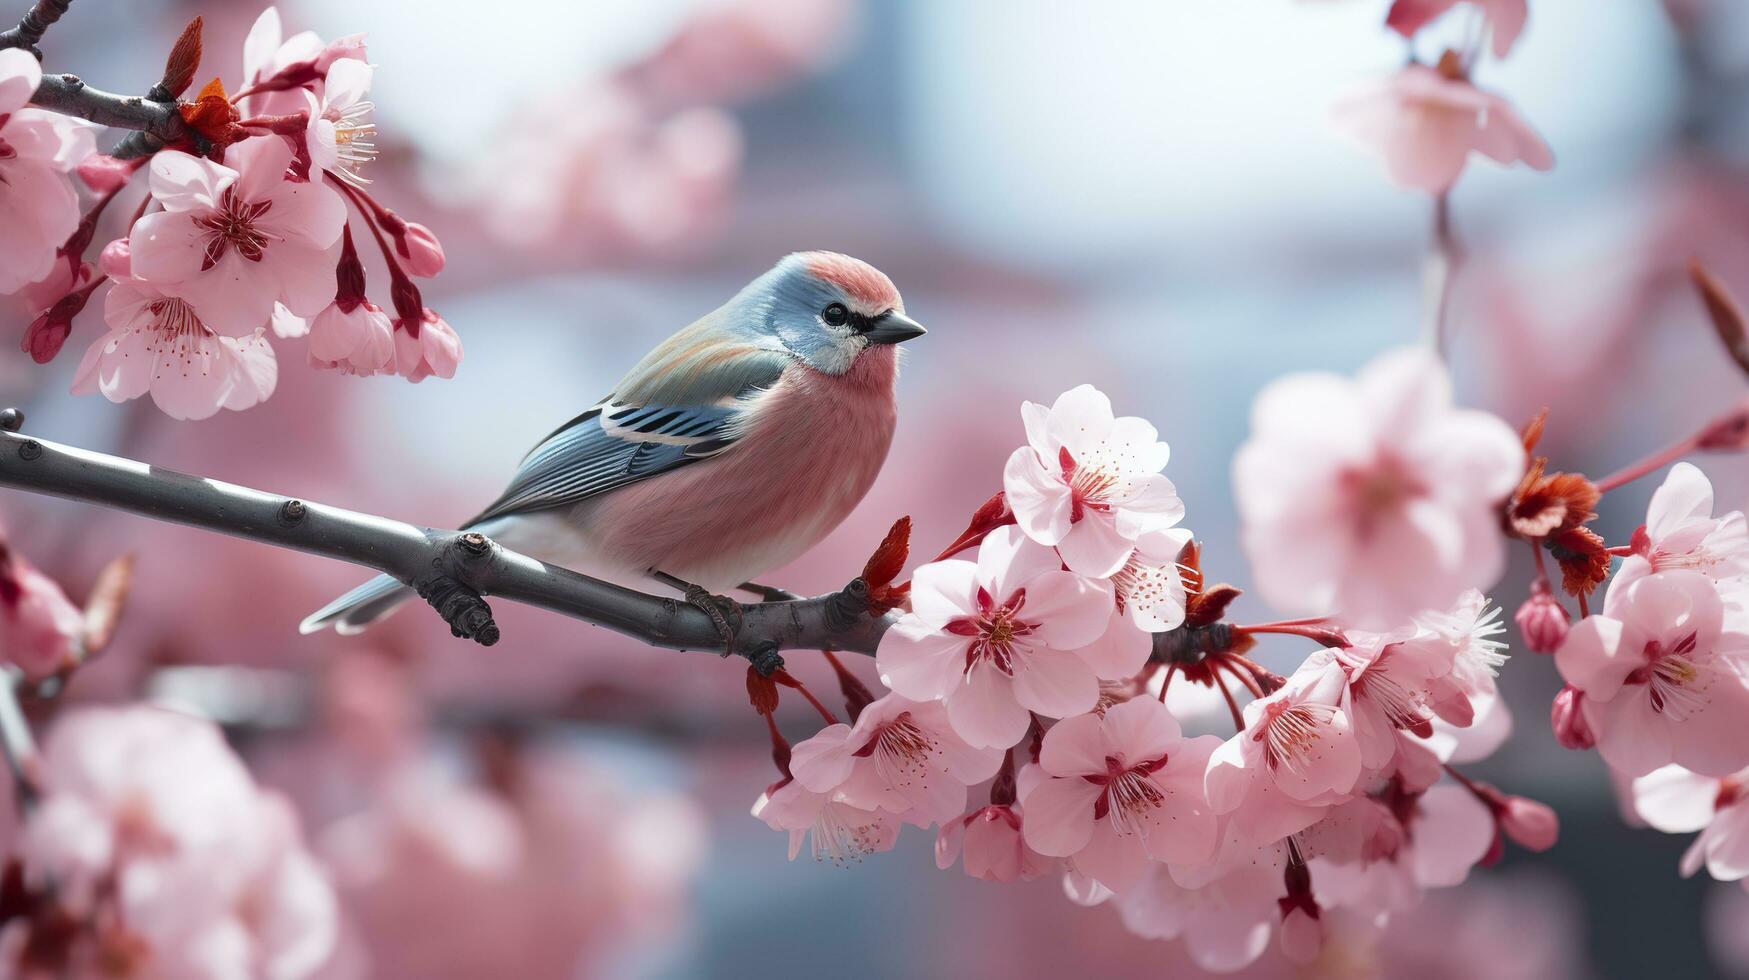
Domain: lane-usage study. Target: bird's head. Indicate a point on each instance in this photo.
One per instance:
(828, 309)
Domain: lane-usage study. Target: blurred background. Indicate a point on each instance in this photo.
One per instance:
(1147, 197)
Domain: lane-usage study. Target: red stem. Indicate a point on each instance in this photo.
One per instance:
(1232, 706)
(1171, 672)
(1657, 460)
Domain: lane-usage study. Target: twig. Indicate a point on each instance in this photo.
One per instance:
(33, 25)
(1442, 262)
(16, 740)
(449, 569)
(155, 124)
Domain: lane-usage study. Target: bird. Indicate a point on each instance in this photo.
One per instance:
(729, 450)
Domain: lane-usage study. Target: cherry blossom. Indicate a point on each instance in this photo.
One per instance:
(1089, 483)
(834, 830)
(340, 135)
(38, 207)
(1662, 674)
(1124, 786)
(1392, 687)
(151, 828)
(301, 60)
(1426, 123)
(1424, 840)
(40, 628)
(1374, 496)
(157, 343)
(1150, 585)
(1296, 755)
(1677, 801)
(1225, 911)
(234, 239)
(360, 342)
(1681, 532)
(993, 845)
(901, 756)
(426, 347)
(1505, 18)
(1007, 636)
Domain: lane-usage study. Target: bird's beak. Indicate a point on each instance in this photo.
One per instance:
(893, 328)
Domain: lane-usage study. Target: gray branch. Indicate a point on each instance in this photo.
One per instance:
(33, 25)
(154, 123)
(451, 570)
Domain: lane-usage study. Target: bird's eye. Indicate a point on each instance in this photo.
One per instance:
(836, 315)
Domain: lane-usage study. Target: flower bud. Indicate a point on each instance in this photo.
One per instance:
(1531, 825)
(1568, 720)
(116, 260)
(1542, 620)
(420, 251)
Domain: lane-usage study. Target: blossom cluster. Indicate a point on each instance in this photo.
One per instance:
(1043, 668)
(151, 852)
(243, 235)
(1425, 120)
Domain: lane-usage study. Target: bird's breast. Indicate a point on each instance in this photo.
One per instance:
(811, 447)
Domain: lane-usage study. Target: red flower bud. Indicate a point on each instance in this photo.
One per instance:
(420, 251)
(1542, 620)
(1568, 720)
(1531, 825)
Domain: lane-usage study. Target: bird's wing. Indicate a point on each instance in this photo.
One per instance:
(621, 441)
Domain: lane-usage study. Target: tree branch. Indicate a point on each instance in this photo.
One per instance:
(154, 123)
(451, 570)
(33, 25)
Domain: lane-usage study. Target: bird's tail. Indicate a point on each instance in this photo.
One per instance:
(357, 609)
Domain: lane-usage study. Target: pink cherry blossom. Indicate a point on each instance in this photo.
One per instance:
(1678, 801)
(38, 207)
(1089, 483)
(901, 756)
(1125, 786)
(992, 842)
(1663, 677)
(1426, 124)
(1442, 834)
(157, 343)
(433, 351)
(303, 57)
(1567, 720)
(1681, 532)
(1005, 637)
(1150, 585)
(360, 342)
(834, 830)
(1375, 496)
(40, 628)
(1297, 755)
(1393, 684)
(1225, 911)
(151, 829)
(234, 239)
(1505, 18)
(340, 135)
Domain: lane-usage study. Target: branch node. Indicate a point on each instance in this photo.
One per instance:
(292, 512)
(765, 659)
(30, 450)
(475, 545)
(847, 604)
(462, 608)
(12, 419)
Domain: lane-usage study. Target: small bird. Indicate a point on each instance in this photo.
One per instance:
(729, 450)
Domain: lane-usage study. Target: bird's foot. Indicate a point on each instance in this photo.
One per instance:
(721, 609)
